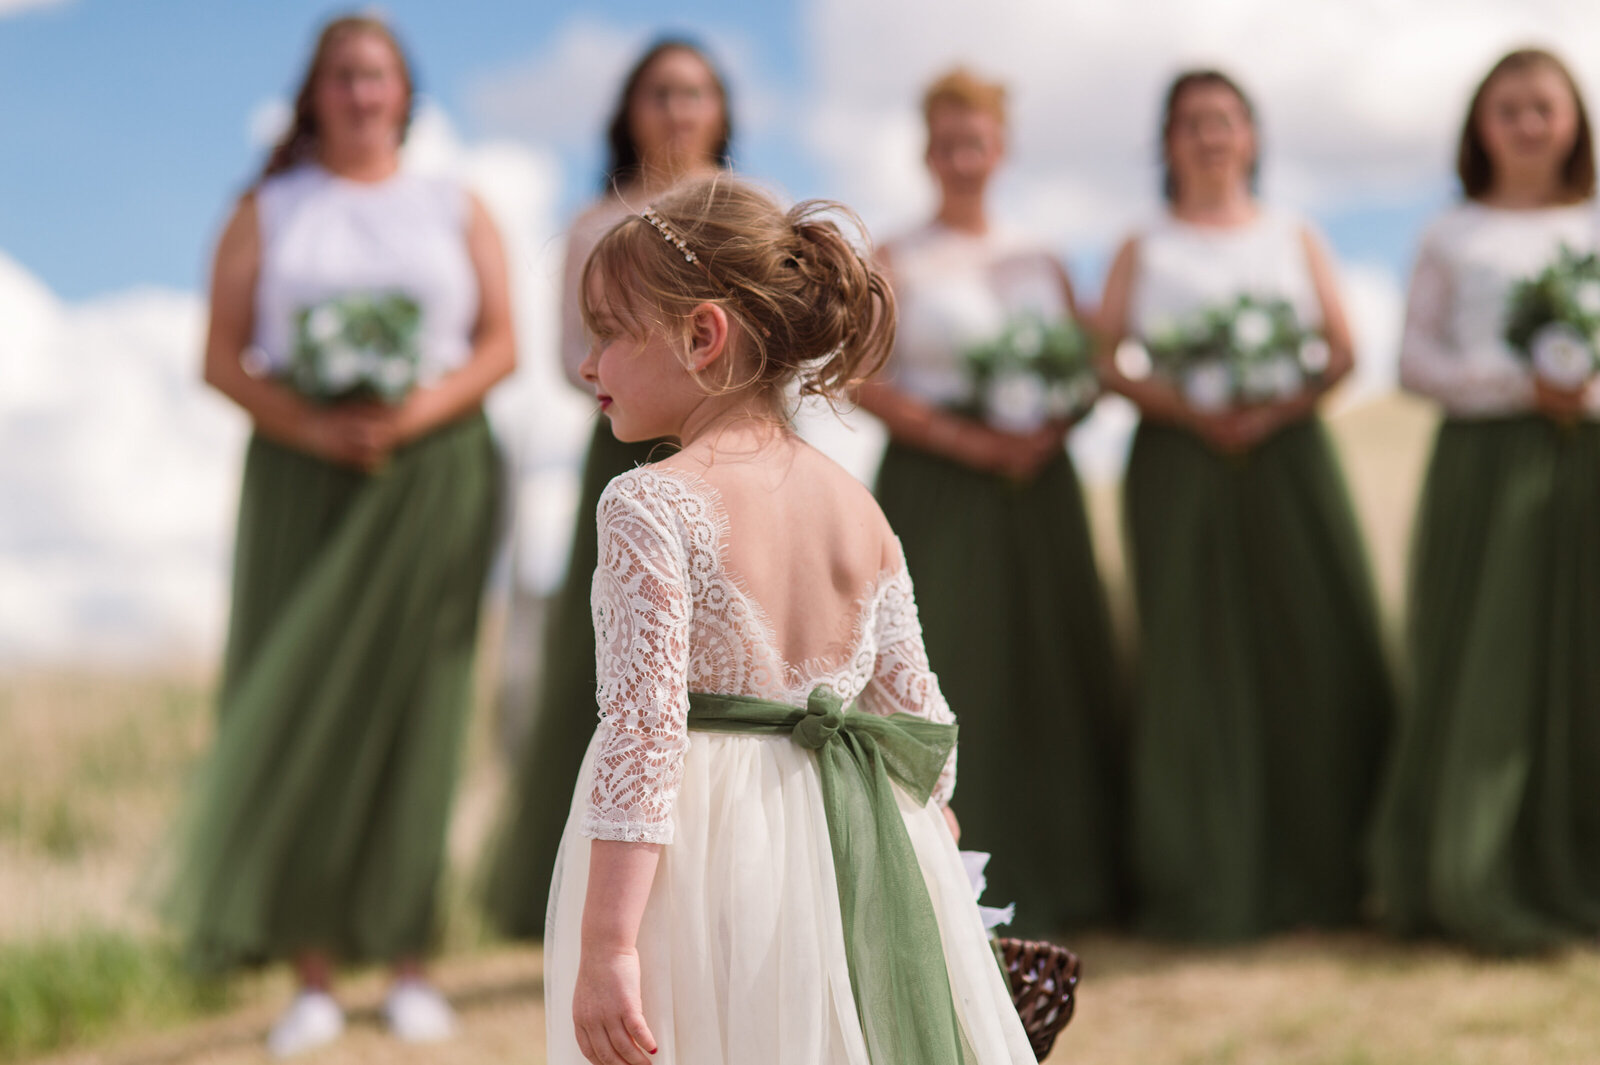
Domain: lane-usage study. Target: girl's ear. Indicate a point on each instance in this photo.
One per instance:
(709, 335)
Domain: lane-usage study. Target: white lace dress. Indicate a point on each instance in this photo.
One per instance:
(742, 946)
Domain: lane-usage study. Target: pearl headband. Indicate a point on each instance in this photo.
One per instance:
(649, 215)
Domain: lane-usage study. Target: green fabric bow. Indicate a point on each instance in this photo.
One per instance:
(891, 936)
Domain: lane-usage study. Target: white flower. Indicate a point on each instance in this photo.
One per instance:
(1315, 355)
(1251, 329)
(1562, 356)
(1067, 398)
(1015, 402)
(324, 324)
(341, 367)
(394, 377)
(1208, 387)
(1028, 340)
(1276, 378)
(1587, 298)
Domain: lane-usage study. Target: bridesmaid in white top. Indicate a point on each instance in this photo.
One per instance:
(996, 536)
(316, 830)
(1488, 831)
(671, 124)
(1263, 698)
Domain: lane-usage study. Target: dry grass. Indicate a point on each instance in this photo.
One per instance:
(92, 765)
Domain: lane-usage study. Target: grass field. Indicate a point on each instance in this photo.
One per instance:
(91, 765)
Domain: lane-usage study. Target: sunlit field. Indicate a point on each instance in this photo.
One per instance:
(91, 765)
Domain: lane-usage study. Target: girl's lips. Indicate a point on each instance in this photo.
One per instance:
(605, 401)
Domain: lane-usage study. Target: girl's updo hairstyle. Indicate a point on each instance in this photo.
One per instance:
(302, 139)
(809, 304)
(1473, 164)
(1194, 79)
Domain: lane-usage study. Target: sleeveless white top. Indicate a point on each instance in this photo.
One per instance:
(1454, 347)
(1182, 269)
(954, 290)
(324, 236)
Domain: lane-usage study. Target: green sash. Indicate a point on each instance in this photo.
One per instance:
(891, 937)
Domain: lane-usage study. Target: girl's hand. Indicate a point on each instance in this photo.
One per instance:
(607, 1012)
(1558, 404)
(955, 826)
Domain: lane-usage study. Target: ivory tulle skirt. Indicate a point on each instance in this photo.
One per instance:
(742, 947)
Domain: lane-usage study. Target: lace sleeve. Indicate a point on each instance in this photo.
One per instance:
(641, 608)
(902, 681)
(1430, 365)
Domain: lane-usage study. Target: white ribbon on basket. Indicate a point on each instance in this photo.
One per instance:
(975, 861)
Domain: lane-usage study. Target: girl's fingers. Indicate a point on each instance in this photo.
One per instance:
(600, 1043)
(584, 1046)
(640, 1031)
(622, 1042)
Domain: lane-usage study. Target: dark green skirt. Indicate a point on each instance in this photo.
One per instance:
(1490, 827)
(1263, 697)
(1017, 630)
(318, 820)
(565, 712)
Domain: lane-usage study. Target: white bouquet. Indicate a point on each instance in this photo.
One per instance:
(357, 346)
(1034, 371)
(1250, 351)
(1553, 320)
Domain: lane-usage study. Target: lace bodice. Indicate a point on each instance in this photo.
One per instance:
(1454, 349)
(670, 619)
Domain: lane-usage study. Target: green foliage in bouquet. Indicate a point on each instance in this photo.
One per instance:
(1035, 369)
(357, 346)
(1248, 351)
(1553, 319)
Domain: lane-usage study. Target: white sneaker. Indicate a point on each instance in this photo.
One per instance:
(417, 1013)
(311, 1020)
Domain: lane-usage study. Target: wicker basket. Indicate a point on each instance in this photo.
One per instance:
(1044, 985)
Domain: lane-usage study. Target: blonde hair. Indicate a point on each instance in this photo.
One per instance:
(810, 306)
(960, 87)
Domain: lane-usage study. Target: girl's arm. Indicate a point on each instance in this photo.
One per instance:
(494, 344)
(1429, 365)
(607, 1008)
(641, 610)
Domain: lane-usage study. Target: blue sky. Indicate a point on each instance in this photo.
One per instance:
(125, 122)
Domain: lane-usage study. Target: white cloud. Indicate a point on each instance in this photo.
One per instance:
(1361, 100)
(120, 469)
(17, 7)
(562, 96)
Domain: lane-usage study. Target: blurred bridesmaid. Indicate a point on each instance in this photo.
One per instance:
(978, 398)
(1263, 701)
(359, 314)
(671, 123)
(1490, 827)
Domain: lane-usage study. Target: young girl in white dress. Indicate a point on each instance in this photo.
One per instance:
(759, 864)
(1488, 831)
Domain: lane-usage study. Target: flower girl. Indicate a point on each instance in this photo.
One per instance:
(1487, 830)
(759, 863)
